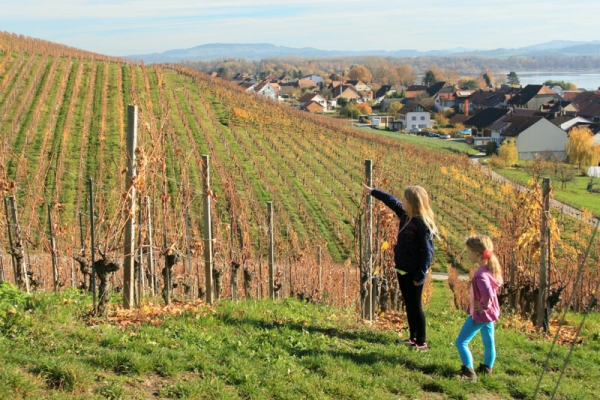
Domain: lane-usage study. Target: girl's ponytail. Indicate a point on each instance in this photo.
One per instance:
(483, 245)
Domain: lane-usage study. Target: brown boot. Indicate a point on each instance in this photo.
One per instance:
(484, 370)
(468, 374)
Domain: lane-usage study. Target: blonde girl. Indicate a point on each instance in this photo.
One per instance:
(413, 253)
(484, 309)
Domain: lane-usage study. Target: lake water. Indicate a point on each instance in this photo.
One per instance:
(583, 79)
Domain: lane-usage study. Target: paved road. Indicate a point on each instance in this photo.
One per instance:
(564, 208)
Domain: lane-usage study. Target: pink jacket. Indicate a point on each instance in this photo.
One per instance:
(484, 291)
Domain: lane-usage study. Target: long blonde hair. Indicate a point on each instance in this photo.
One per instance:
(478, 244)
(418, 200)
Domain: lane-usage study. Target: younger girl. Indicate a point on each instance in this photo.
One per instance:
(484, 309)
(413, 253)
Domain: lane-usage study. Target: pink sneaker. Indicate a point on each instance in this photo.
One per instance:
(420, 347)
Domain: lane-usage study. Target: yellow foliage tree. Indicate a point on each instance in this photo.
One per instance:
(361, 73)
(508, 152)
(395, 107)
(580, 147)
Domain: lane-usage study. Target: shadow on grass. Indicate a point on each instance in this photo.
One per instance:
(405, 356)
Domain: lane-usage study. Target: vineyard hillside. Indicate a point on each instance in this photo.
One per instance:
(63, 120)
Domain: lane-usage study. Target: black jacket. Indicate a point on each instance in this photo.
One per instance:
(414, 250)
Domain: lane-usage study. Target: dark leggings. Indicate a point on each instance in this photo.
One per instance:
(414, 307)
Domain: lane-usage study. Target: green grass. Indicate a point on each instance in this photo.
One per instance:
(576, 193)
(432, 143)
(265, 350)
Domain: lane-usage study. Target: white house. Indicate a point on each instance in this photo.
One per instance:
(265, 89)
(535, 135)
(308, 97)
(414, 116)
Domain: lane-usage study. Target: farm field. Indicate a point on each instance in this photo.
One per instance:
(264, 350)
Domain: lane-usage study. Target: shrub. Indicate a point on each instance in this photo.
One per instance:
(496, 162)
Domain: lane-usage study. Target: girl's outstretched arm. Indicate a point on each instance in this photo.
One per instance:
(388, 199)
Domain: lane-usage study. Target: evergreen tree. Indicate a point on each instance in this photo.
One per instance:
(488, 80)
(513, 79)
(429, 78)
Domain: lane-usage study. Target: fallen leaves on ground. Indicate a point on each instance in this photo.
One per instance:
(391, 321)
(567, 334)
(150, 313)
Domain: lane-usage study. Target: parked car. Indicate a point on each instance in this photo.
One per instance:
(432, 134)
(414, 130)
(444, 136)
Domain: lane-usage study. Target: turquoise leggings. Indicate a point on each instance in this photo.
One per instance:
(468, 332)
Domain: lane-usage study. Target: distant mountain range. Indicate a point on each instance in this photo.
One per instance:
(259, 51)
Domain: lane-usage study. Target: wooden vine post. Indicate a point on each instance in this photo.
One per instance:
(271, 252)
(189, 253)
(319, 254)
(53, 250)
(542, 318)
(18, 250)
(151, 266)
(129, 265)
(93, 243)
(207, 223)
(368, 301)
(10, 242)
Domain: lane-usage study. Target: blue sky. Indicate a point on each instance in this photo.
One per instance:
(127, 27)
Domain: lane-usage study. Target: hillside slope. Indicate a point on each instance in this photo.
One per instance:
(63, 120)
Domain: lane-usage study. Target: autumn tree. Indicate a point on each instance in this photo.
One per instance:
(437, 73)
(406, 75)
(364, 108)
(395, 107)
(452, 76)
(513, 79)
(508, 152)
(580, 147)
(564, 173)
(383, 71)
(361, 73)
